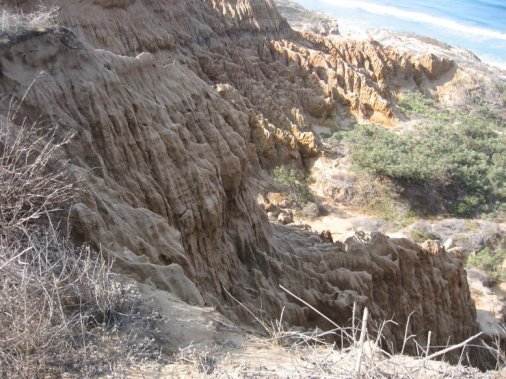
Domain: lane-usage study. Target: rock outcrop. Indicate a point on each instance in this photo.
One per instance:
(176, 106)
(304, 20)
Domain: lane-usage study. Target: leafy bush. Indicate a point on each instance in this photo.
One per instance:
(419, 105)
(502, 90)
(465, 162)
(490, 260)
(380, 196)
(297, 189)
(422, 233)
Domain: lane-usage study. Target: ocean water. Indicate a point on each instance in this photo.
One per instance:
(476, 25)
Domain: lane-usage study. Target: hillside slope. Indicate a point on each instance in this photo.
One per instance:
(177, 106)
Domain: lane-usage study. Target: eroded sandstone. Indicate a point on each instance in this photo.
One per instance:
(176, 106)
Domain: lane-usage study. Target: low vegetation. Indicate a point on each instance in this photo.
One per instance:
(62, 310)
(420, 233)
(502, 91)
(464, 161)
(416, 103)
(359, 350)
(381, 197)
(15, 22)
(294, 185)
(490, 260)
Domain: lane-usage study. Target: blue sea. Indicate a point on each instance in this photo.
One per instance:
(476, 25)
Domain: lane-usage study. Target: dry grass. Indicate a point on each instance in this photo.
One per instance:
(289, 353)
(62, 310)
(14, 22)
(34, 182)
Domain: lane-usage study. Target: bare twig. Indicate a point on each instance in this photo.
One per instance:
(61, 308)
(363, 334)
(406, 338)
(428, 343)
(451, 348)
(314, 309)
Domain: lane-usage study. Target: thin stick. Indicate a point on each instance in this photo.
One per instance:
(264, 325)
(406, 338)
(428, 343)
(363, 333)
(16, 257)
(313, 308)
(448, 349)
(353, 322)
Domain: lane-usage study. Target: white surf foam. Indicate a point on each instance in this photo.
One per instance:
(418, 17)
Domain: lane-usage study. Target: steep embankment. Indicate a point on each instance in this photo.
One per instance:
(176, 106)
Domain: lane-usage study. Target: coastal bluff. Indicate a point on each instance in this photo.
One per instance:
(177, 107)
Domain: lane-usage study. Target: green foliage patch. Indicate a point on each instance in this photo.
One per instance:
(420, 233)
(417, 104)
(464, 161)
(489, 260)
(502, 91)
(297, 189)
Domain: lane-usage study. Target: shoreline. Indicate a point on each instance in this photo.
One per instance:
(352, 28)
(373, 33)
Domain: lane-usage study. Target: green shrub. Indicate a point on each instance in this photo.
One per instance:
(489, 260)
(416, 103)
(502, 90)
(420, 233)
(466, 206)
(296, 189)
(380, 197)
(464, 162)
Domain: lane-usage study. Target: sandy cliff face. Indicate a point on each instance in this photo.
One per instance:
(176, 106)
